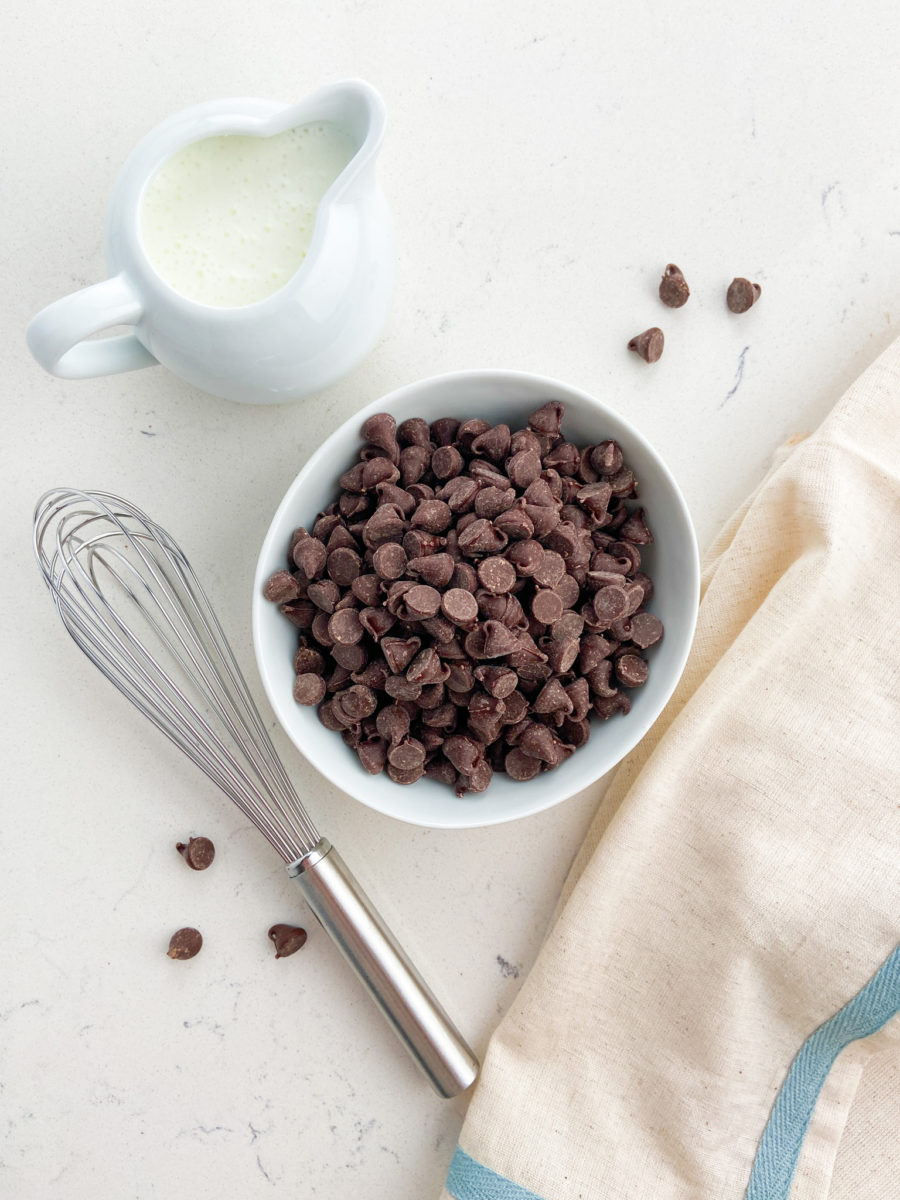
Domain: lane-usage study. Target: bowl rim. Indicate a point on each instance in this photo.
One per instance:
(260, 606)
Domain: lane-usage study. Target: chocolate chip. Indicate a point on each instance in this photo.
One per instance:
(537, 741)
(445, 430)
(300, 613)
(389, 560)
(400, 652)
(446, 462)
(422, 601)
(309, 557)
(367, 588)
(648, 345)
(197, 852)
(434, 569)
(521, 766)
(498, 640)
(492, 501)
(550, 570)
(309, 688)
(606, 458)
(742, 294)
(426, 668)
(523, 468)
(414, 462)
(407, 755)
(463, 752)
(673, 288)
(343, 566)
(631, 670)
(496, 575)
(635, 529)
(460, 494)
(481, 537)
(607, 706)
(185, 943)
(568, 589)
(552, 698)
(477, 780)
(493, 443)
(564, 458)
(287, 939)
(355, 703)
(378, 471)
(514, 524)
(468, 431)
(434, 516)
(609, 604)
(460, 607)
(404, 777)
(548, 418)
(345, 627)
(414, 432)
(280, 587)
(546, 606)
(497, 681)
(418, 542)
(646, 629)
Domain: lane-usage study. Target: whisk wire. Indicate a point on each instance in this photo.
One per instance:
(224, 734)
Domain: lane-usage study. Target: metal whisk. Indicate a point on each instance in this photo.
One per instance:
(130, 599)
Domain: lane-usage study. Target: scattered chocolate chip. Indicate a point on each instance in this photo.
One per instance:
(185, 943)
(287, 939)
(649, 344)
(742, 294)
(673, 288)
(197, 852)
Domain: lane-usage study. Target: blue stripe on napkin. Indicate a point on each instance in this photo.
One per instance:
(470, 1180)
(782, 1139)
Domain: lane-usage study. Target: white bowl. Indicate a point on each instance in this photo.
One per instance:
(671, 561)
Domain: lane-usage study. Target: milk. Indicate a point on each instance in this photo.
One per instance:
(228, 220)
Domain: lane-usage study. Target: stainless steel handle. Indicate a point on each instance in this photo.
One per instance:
(344, 910)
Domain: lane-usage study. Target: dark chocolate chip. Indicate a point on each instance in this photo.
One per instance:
(197, 852)
(280, 587)
(309, 688)
(673, 288)
(742, 294)
(287, 939)
(646, 629)
(648, 345)
(631, 670)
(185, 943)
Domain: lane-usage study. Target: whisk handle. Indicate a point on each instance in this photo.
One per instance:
(397, 988)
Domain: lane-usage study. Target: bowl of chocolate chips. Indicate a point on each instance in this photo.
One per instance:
(475, 598)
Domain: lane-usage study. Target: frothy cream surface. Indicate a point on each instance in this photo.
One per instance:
(228, 220)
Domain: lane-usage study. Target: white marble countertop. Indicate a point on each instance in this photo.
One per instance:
(543, 164)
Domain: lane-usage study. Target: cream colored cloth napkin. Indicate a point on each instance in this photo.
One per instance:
(740, 885)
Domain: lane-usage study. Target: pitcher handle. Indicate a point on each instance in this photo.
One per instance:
(56, 335)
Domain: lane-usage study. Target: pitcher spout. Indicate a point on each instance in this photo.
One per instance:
(357, 108)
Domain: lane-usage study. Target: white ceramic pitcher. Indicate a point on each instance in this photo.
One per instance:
(287, 345)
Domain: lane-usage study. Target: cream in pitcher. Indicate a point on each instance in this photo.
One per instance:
(228, 220)
(249, 250)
